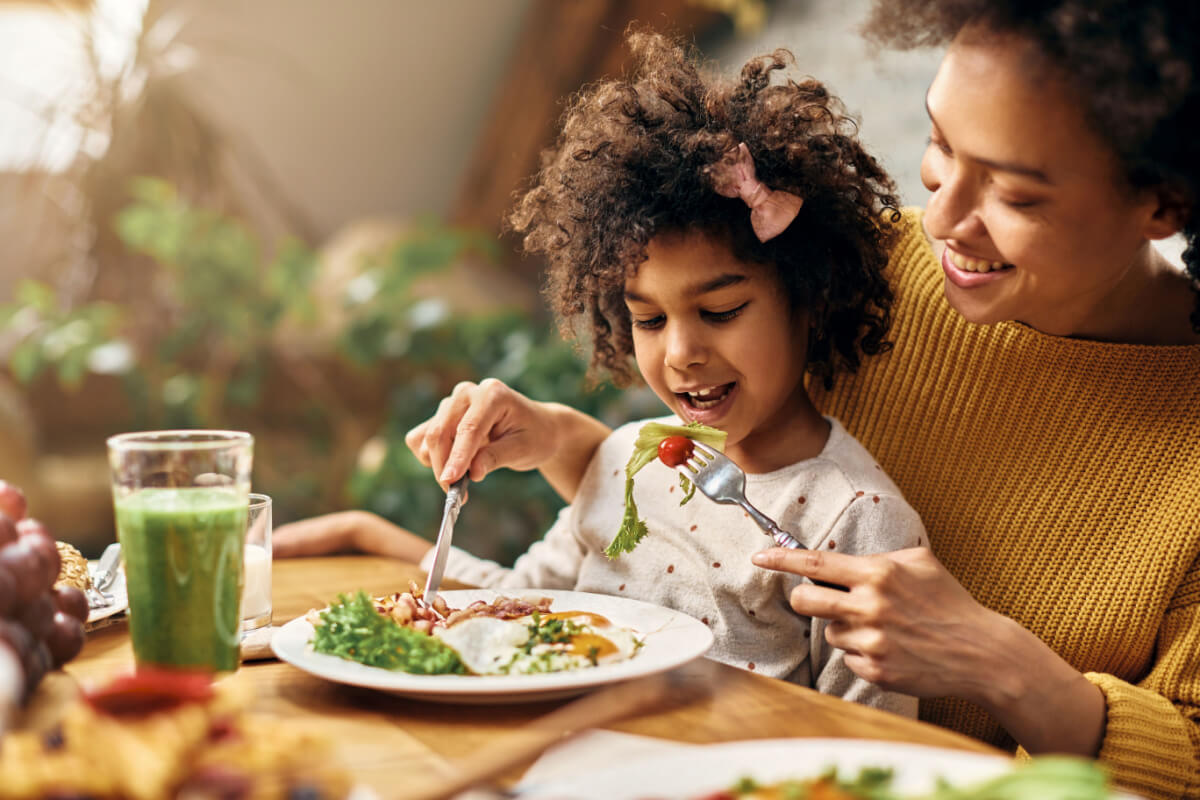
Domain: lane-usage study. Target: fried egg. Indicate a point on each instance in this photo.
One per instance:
(491, 646)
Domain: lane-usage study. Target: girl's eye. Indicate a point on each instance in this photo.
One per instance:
(651, 323)
(723, 316)
(1019, 203)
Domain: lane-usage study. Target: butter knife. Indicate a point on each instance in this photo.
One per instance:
(454, 501)
(106, 570)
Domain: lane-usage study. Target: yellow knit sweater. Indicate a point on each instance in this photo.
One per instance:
(1059, 480)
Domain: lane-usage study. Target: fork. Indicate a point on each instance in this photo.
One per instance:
(723, 481)
(97, 599)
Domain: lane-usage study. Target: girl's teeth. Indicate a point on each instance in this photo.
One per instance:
(707, 398)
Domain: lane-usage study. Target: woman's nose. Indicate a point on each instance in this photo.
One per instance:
(951, 212)
(684, 347)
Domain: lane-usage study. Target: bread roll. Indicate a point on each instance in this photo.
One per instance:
(74, 569)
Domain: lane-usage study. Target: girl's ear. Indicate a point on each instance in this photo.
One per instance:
(1170, 215)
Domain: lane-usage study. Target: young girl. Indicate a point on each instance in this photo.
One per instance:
(729, 236)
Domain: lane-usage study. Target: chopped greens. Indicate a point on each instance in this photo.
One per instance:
(352, 629)
(1044, 777)
(552, 631)
(645, 450)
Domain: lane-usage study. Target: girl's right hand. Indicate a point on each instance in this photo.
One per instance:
(479, 428)
(482, 427)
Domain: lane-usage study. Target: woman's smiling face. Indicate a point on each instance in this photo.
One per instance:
(716, 340)
(1026, 206)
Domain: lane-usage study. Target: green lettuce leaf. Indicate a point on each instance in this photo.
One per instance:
(645, 450)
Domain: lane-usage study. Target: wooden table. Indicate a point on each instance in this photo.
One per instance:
(384, 738)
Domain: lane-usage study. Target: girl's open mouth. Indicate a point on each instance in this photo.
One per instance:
(708, 404)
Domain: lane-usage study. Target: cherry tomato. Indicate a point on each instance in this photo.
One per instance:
(674, 450)
(150, 690)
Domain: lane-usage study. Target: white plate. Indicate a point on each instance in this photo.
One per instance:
(695, 772)
(671, 639)
(119, 595)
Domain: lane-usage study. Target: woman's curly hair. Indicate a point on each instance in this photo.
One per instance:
(633, 161)
(1133, 64)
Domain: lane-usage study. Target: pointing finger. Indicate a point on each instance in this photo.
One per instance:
(818, 565)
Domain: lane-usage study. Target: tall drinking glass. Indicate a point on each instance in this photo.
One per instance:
(181, 499)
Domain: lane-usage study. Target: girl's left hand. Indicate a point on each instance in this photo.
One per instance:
(906, 624)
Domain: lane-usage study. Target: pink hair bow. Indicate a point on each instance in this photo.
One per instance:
(771, 211)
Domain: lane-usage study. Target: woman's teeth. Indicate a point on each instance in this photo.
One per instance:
(707, 398)
(975, 264)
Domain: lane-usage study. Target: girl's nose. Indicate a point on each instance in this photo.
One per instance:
(951, 212)
(684, 347)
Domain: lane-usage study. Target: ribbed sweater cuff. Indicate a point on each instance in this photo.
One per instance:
(1146, 746)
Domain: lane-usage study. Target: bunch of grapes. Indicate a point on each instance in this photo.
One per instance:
(42, 625)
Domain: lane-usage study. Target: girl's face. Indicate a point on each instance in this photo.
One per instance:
(716, 340)
(1026, 211)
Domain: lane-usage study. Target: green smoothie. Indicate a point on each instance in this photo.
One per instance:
(183, 571)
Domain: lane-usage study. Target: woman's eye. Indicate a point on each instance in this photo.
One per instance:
(723, 316)
(942, 147)
(650, 323)
(1019, 203)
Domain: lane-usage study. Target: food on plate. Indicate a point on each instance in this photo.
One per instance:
(504, 637)
(41, 625)
(645, 449)
(1044, 777)
(352, 628)
(159, 734)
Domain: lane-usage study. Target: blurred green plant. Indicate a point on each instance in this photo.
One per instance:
(214, 341)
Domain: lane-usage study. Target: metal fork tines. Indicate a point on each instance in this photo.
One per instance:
(97, 599)
(723, 481)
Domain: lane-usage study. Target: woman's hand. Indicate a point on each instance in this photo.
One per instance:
(907, 625)
(482, 427)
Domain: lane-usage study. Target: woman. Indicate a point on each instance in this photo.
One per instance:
(1038, 409)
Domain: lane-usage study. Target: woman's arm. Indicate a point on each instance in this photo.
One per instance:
(907, 625)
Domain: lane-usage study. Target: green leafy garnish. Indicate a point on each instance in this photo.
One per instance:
(352, 629)
(645, 450)
(1044, 778)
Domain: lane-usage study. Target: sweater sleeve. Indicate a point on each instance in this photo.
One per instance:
(871, 523)
(1151, 739)
(551, 563)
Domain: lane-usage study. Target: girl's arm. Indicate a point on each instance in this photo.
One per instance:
(482, 427)
(907, 625)
(347, 531)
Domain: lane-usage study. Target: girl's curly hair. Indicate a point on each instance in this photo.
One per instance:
(633, 161)
(1132, 63)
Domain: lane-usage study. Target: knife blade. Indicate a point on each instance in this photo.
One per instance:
(106, 570)
(454, 501)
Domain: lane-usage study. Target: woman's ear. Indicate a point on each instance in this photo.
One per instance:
(1169, 216)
